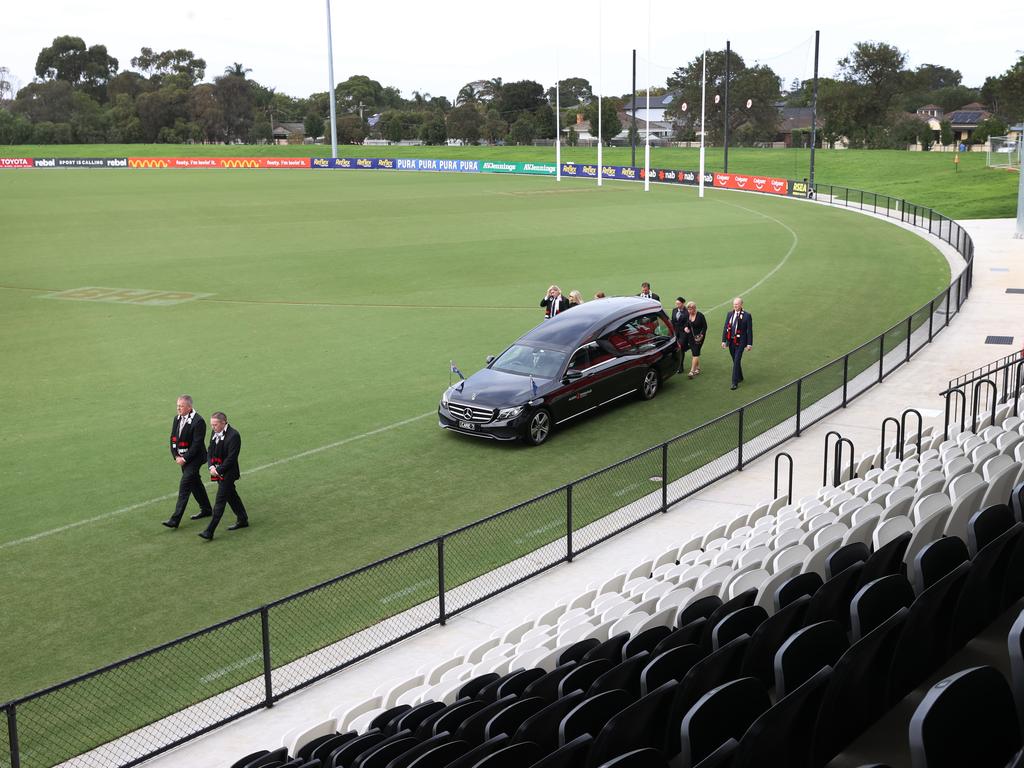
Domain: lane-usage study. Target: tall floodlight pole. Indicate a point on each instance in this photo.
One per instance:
(703, 93)
(558, 123)
(600, 90)
(647, 117)
(725, 108)
(330, 77)
(632, 134)
(814, 111)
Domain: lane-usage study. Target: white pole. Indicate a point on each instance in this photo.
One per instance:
(558, 124)
(703, 89)
(330, 76)
(647, 120)
(600, 89)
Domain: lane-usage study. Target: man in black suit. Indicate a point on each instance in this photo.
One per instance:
(188, 449)
(554, 302)
(680, 319)
(646, 293)
(225, 445)
(737, 336)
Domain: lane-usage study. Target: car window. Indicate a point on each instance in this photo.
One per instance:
(588, 356)
(639, 334)
(530, 361)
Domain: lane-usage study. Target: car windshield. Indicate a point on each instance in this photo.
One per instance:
(530, 361)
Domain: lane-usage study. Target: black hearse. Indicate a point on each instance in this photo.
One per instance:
(581, 359)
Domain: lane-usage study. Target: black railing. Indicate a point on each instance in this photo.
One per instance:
(982, 391)
(144, 705)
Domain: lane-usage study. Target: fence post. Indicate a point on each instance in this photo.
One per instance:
(739, 443)
(910, 326)
(664, 477)
(846, 375)
(931, 317)
(799, 388)
(568, 523)
(12, 737)
(268, 685)
(881, 356)
(440, 580)
(948, 291)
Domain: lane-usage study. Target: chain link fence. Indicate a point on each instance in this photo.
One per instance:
(139, 707)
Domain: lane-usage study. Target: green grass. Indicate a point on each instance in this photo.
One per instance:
(925, 178)
(339, 300)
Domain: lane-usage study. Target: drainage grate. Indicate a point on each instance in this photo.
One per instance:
(999, 339)
(1015, 290)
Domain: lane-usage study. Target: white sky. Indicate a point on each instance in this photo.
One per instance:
(437, 47)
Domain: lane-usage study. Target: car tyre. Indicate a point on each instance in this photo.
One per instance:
(538, 427)
(650, 385)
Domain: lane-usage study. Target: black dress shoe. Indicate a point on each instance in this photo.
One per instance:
(169, 523)
(201, 515)
(733, 387)
(236, 526)
(206, 535)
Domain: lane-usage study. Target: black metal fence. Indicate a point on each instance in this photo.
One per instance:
(981, 391)
(134, 709)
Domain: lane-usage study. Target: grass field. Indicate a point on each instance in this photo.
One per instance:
(925, 178)
(337, 301)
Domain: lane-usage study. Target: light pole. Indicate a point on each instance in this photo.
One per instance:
(330, 77)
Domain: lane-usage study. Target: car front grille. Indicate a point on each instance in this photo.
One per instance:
(472, 413)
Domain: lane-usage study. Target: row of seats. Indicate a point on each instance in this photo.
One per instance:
(776, 549)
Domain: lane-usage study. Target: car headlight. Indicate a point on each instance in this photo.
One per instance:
(444, 397)
(509, 413)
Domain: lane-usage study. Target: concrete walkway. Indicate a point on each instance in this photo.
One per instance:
(999, 264)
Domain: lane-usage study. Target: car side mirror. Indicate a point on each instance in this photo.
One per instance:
(573, 375)
(491, 359)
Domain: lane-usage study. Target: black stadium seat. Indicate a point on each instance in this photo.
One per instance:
(698, 609)
(645, 641)
(741, 622)
(844, 557)
(357, 761)
(547, 687)
(968, 719)
(584, 675)
(672, 664)
(610, 649)
(805, 652)
(791, 589)
(571, 755)
(832, 600)
(439, 756)
(380, 756)
(276, 756)
(387, 716)
(769, 637)
(723, 713)
(782, 735)
(641, 725)
(512, 756)
(472, 688)
(625, 675)
(479, 752)
(306, 750)
(348, 752)
(982, 596)
(742, 600)
(473, 727)
(685, 635)
(422, 747)
(885, 561)
(452, 717)
(324, 749)
(1015, 643)
(986, 525)
(578, 650)
(511, 717)
(542, 727)
(413, 717)
(426, 727)
(877, 601)
(638, 758)
(516, 682)
(590, 715)
(935, 560)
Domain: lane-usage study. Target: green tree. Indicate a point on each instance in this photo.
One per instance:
(874, 75)
(465, 122)
(467, 95)
(946, 133)
(123, 126)
(47, 132)
(611, 126)
(88, 121)
(237, 70)
(313, 125)
(1005, 94)
(523, 130)
(434, 130)
(205, 110)
(14, 129)
(160, 109)
(544, 120)
(571, 91)
(50, 101)
(68, 59)
(128, 83)
(571, 137)
(351, 130)
(518, 97)
(490, 90)
(236, 101)
(993, 126)
(495, 128)
(180, 64)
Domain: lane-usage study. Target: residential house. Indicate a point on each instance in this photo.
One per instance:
(966, 120)
(796, 119)
(659, 105)
(289, 133)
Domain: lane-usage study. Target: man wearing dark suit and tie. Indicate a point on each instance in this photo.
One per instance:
(647, 293)
(188, 449)
(737, 336)
(225, 445)
(554, 302)
(680, 319)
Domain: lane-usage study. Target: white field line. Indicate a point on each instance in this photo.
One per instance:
(165, 497)
(216, 675)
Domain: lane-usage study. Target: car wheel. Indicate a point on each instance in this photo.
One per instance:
(538, 428)
(651, 384)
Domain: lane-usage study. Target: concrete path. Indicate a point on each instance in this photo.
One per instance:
(959, 348)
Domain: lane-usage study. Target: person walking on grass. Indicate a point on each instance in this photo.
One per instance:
(694, 331)
(225, 445)
(554, 302)
(737, 337)
(188, 449)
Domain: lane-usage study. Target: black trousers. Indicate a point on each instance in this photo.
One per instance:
(191, 485)
(227, 496)
(736, 350)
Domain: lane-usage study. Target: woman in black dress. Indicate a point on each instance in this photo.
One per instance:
(695, 330)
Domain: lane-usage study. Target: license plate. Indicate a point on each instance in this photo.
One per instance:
(467, 425)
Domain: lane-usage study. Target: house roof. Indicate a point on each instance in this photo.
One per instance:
(796, 119)
(657, 102)
(284, 129)
(967, 117)
(930, 106)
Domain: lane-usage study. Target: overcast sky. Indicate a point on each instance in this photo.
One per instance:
(436, 47)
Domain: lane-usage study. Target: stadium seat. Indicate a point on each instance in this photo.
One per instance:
(479, 752)
(438, 756)
(844, 557)
(384, 754)
(623, 676)
(876, 602)
(414, 717)
(571, 755)
(548, 685)
(584, 675)
(672, 664)
(640, 725)
(590, 715)
(740, 622)
(886, 560)
(935, 560)
(831, 601)
(982, 596)
(805, 652)
(969, 718)
(541, 728)
(577, 650)
(768, 637)
(509, 719)
(473, 687)
(723, 713)
(795, 586)
(473, 728)
(645, 641)
(639, 758)
(986, 525)
(610, 649)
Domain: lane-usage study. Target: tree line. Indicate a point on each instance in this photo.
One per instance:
(81, 95)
